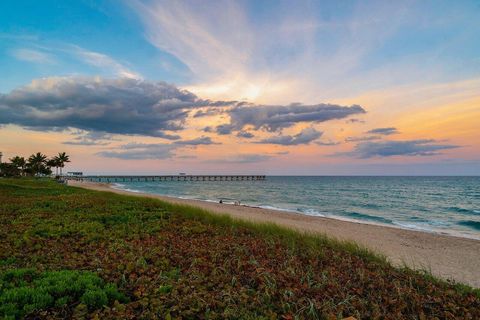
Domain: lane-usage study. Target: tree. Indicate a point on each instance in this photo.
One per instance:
(9, 170)
(19, 163)
(37, 163)
(62, 159)
(54, 162)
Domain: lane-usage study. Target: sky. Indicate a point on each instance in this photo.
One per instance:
(243, 87)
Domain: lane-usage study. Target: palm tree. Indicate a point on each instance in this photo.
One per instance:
(53, 162)
(37, 162)
(19, 163)
(62, 159)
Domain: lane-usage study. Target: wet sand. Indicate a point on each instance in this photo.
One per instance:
(445, 256)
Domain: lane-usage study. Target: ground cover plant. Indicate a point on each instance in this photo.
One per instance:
(142, 258)
(23, 291)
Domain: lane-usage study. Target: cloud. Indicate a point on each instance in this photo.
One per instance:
(197, 141)
(327, 143)
(188, 32)
(103, 61)
(246, 158)
(257, 57)
(138, 107)
(273, 118)
(355, 121)
(34, 56)
(86, 143)
(167, 136)
(223, 129)
(119, 106)
(245, 134)
(92, 138)
(141, 151)
(304, 137)
(207, 112)
(358, 139)
(424, 147)
(384, 131)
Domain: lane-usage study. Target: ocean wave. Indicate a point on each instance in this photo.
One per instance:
(370, 206)
(266, 206)
(311, 212)
(363, 216)
(470, 223)
(464, 211)
(123, 187)
(414, 226)
(118, 185)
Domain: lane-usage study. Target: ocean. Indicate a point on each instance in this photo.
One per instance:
(449, 205)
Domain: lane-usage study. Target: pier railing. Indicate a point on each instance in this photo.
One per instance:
(104, 178)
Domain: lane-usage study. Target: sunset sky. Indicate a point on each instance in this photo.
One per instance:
(267, 87)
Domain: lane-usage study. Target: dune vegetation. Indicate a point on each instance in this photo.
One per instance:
(67, 252)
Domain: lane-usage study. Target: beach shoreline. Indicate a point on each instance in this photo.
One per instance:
(445, 256)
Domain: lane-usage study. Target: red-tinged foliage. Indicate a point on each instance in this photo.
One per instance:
(178, 265)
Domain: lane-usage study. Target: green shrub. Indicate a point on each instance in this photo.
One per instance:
(24, 291)
(165, 289)
(94, 298)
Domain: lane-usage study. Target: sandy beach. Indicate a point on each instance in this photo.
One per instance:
(445, 256)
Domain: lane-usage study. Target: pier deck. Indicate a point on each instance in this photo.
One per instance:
(104, 178)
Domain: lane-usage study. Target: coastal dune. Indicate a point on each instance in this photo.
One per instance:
(444, 256)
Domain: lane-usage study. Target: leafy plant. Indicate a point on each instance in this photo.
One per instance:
(23, 291)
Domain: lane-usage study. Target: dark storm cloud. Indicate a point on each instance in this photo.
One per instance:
(273, 118)
(384, 131)
(304, 137)
(424, 147)
(120, 106)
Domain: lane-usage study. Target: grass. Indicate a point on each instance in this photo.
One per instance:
(148, 259)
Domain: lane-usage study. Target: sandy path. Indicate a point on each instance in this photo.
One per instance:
(445, 256)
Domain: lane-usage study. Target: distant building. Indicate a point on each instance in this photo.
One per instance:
(74, 174)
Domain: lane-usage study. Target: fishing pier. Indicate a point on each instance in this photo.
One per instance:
(108, 179)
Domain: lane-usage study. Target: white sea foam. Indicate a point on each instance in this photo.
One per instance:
(269, 207)
(413, 226)
(120, 186)
(312, 212)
